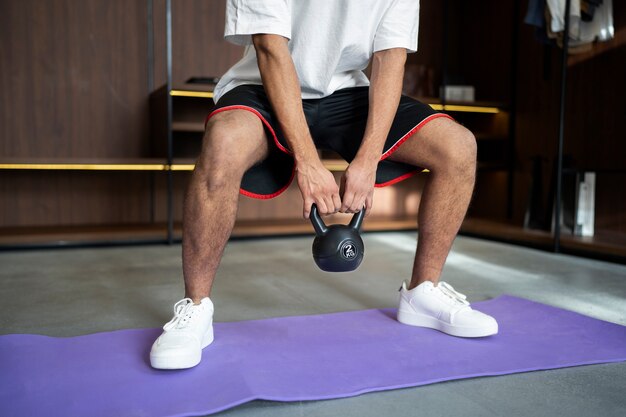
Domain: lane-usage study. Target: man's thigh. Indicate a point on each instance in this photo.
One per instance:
(246, 128)
(439, 141)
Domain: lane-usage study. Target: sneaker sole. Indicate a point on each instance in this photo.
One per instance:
(181, 361)
(420, 320)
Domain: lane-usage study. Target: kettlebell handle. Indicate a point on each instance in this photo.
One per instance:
(318, 223)
(320, 226)
(357, 220)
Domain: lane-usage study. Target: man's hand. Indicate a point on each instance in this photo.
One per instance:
(318, 186)
(357, 186)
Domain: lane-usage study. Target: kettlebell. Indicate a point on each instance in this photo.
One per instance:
(339, 247)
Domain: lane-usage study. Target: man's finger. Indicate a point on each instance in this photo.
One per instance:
(348, 198)
(330, 206)
(357, 204)
(306, 208)
(322, 208)
(337, 202)
(369, 202)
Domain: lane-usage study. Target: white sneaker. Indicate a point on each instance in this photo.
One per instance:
(442, 308)
(191, 330)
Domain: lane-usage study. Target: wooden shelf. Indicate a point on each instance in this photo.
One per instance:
(80, 235)
(83, 164)
(187, 164)
(188, 127)
(78, 164)
(505, 231)
(603, 243)
(193, 90)
(488, 107)
(599, 48)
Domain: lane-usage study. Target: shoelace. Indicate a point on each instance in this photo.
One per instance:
(183, 312)
(447, 290)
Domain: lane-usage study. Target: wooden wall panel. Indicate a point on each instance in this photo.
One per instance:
(477, 54)
(32, 199)
(430, 40)
(481, 47)
(537, 113)
(595, 135)
(73, 80)
(198, 45)
(74, 83)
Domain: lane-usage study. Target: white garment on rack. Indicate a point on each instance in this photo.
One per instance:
(557, 11)
(600, 28)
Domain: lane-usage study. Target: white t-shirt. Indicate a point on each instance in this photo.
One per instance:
(331, 41)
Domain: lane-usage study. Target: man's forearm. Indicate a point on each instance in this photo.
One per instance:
(384, 97)
(283, 90)
(282, 87)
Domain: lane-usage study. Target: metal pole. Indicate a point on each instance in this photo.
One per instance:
(559, 155)
(150, 7)
(150, 54)
(511, 154)
(170, 156)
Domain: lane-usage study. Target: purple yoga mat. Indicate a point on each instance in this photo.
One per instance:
(289, 359)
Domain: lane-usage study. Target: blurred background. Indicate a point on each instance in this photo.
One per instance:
(102, 104)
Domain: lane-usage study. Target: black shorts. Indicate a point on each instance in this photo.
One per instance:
(336, 122)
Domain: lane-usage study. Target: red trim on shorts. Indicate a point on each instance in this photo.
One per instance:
(268, 196)
(398, 179)
(400, 142)
(259, 115)
(276, 142)
(412, 132)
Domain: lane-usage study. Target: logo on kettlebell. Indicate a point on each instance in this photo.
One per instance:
(348, 250)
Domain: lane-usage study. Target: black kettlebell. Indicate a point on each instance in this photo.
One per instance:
(339, 247)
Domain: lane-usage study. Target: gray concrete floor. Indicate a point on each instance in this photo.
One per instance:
(79, 291)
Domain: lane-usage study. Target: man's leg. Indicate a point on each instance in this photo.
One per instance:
(234, 141)
(448, 150)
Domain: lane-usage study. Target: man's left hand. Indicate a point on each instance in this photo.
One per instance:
(357, 186)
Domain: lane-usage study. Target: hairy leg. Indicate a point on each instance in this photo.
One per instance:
(234, 141)
(448, 150)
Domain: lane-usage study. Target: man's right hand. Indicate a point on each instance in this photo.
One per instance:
(318, 186)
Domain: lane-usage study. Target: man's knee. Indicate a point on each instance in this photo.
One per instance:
(458, 153)
(229, 149)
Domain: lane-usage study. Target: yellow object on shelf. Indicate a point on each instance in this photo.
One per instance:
(83, 167)
(465, 108)
(189, 93)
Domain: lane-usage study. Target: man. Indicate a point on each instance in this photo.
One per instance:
(299, 86)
